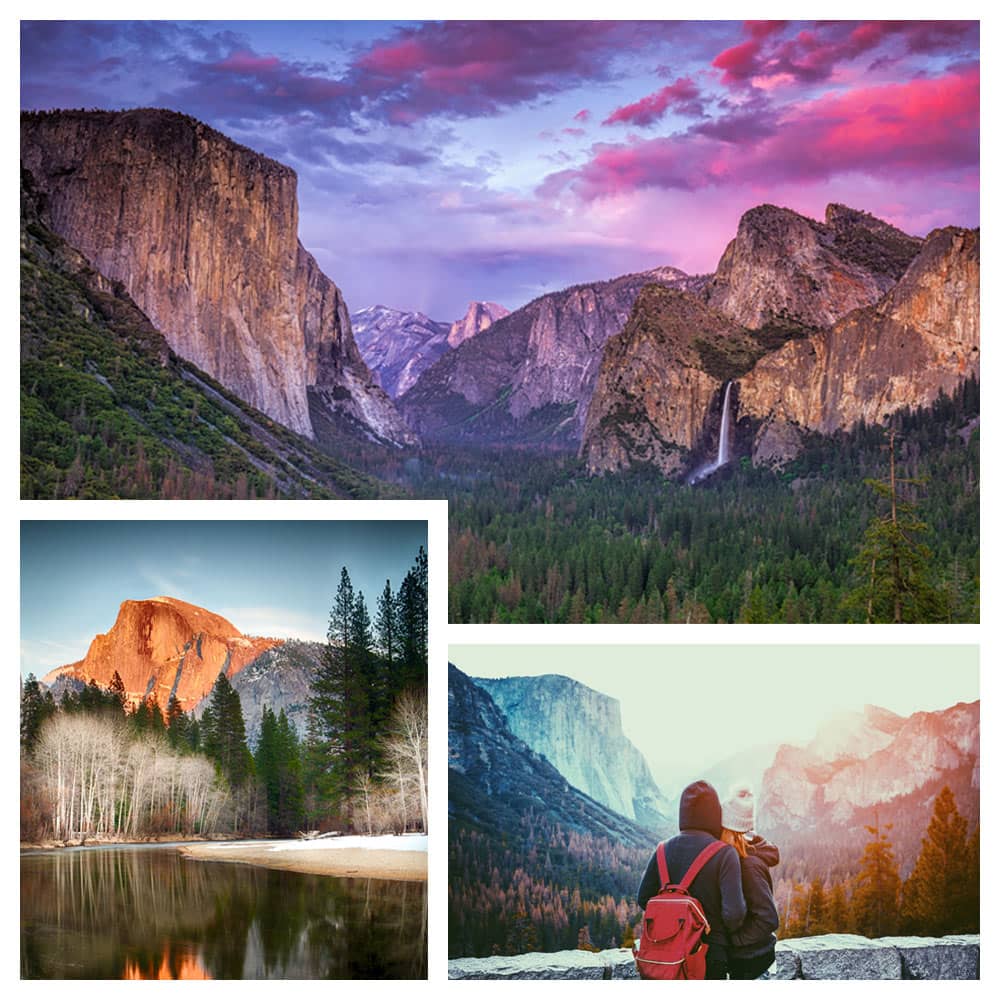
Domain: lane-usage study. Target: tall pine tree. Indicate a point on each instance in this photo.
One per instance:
(875, 901)
(223, 733)
(940, 896)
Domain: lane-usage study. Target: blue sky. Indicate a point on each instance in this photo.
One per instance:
(271, 578)
(441, 162)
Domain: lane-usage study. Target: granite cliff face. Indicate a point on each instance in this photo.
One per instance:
(530, 375)
(921, 338)
(397, 346)
(164, 646)
(819, 326)
(202, 234)
(495, 779)
(579, 731)
(659, 388)
(874, 758)
(788, 271)
(281, 678)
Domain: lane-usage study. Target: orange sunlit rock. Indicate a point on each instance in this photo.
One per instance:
(176, 645)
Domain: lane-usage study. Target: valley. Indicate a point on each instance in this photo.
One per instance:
(523, 862)
(595, 444)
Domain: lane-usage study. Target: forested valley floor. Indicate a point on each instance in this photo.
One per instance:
(533, 538)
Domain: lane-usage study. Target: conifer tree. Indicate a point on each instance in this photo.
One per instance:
(117, 689)
(939, 896)
(838, 910)
(875, 900)
(36, 707)
(893, 563)
(223, 733)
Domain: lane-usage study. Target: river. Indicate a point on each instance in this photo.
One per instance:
(146, 912)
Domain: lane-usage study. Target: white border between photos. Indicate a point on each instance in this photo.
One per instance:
(441, 635)
(435, 514)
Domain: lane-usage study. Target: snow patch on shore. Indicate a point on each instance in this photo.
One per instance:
(409, 842)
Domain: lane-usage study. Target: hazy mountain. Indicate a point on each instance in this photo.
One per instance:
(579, 730)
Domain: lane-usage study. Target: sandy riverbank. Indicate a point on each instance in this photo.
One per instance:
(363, 857)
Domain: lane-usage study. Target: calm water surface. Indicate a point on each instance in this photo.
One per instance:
(148, 913)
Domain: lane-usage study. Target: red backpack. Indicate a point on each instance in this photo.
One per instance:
(671, 945)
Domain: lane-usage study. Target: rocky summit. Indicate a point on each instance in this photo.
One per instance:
(478, 317)
(202, 234)
(789, 271)
(920, 339)
(164, 646)
(397, 346)
(868, 759)
(818, 325)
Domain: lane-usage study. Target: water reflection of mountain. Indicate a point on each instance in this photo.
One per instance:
(151, 914)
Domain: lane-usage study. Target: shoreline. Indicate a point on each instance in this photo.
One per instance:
(320, 858)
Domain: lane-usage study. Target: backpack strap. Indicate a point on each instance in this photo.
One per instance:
(699, 862)
(661, 863)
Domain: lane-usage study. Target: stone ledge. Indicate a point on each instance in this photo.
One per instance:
(829, 956)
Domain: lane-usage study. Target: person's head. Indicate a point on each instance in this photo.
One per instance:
(700, 809)
(738, 812)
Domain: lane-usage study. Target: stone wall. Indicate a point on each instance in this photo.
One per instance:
(829, 956)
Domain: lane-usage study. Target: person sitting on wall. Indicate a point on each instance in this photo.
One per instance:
(717, 887)
(751, 951)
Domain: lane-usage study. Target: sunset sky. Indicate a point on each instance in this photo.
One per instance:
(444, 162)
(270, 578)
(690, 707)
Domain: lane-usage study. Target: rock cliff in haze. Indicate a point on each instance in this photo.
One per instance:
(478, 317)
(875, 758)
(202, 234)
(579, 731)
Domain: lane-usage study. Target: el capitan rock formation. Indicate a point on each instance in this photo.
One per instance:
(202, 234)
(164, 646)
(579, 731)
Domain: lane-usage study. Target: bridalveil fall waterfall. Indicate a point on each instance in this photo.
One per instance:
(722, 455)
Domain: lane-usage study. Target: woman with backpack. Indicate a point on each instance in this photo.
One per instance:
(751, 949)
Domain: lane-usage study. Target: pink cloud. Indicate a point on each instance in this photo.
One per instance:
(915, 128)
(813, 54)
(475, 68)
(682, 95)
(244, 62)
(582, 116)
